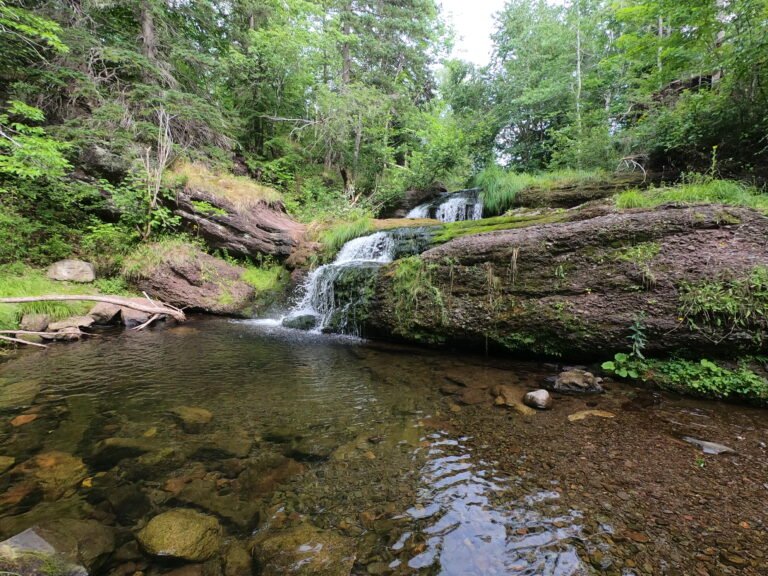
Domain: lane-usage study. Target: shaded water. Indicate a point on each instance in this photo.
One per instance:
(364, 442)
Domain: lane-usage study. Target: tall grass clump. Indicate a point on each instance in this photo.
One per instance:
(700, 191)
(500, 187)
(241, 191)
(266, 278)
(21, 280)
(337, 235)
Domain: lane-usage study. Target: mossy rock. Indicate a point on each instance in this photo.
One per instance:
(182, 533)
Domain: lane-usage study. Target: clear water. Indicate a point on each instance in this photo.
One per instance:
(359, 423)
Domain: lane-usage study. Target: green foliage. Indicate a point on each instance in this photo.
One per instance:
(728, 305)
(207, 209)
(144, 259)
(703, 378)
(415, 293)
(265, 279)
(105, 245)
(701, 190)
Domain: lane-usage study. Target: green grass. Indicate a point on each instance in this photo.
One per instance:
(337, 235)
(705, 191)
(500, 187)
(21, 280)
(240, 191)
(265, 279)
(453, 230)
(145, 258)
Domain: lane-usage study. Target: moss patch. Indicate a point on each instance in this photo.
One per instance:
(452, 230)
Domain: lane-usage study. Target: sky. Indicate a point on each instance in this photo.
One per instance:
(473, 22)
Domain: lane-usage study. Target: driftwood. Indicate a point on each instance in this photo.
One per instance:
(20, 341)
(151, 308)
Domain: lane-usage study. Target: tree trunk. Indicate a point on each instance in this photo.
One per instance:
(150, 308)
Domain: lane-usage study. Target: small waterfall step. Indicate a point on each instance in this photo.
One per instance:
(321, 305)
(451, 207)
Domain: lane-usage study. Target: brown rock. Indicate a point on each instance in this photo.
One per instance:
(54, 472)
(23, 419)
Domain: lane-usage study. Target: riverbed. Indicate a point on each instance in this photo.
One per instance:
(396, 456)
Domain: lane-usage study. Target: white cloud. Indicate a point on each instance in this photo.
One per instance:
(473, 22)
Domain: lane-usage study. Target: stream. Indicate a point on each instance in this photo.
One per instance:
(397, 452)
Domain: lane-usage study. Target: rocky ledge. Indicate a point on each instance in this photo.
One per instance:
(686, 278)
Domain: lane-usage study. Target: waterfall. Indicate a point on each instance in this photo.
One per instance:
(320, 303)
(453, 207)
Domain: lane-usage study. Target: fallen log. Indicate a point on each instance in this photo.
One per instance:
(151, 308)
(20, 341)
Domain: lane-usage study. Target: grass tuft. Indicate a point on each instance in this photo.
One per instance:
(704, 191)
(21, 280)
(500, 187)
(240, 191)
(265, 279)
(338, 234)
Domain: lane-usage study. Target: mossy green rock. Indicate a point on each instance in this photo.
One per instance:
(183, 534)
(17, 394)
(304, 551)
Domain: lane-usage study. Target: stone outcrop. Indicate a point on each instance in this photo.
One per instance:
(189, 278)
(247, 230)
(71, 271)
(575, 289)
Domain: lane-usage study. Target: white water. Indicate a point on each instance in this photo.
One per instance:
(318, 297)
(464, 205)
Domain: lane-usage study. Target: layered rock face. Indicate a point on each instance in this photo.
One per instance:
(247, 230)
(685, 278)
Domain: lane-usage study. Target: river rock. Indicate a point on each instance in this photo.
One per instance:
(18, 394)
(182, 533)
(709, 447)
(73, 322)
(237, 560)
(301, 322)
(5, 463)
(587, 413)
(203, 494)
(71, 271)
(192, 419)
(131, 317)
(577, 380)
(510, 396)
(105, 313)
(34, 322)
(224, 444)
(108, 452)
(539, 399)
(304, 551)
(54, 472)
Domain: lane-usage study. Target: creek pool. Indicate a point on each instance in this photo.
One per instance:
(329, 455)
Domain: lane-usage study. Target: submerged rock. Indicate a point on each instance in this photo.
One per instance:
(305, 551)
(71, 271)
(709, 447)
(539, 399)
(510, 397)
(18, 394)
(577, 380)
(203, 494)
(192, 419)
(183, 534)
(587, 413)
(53, 472)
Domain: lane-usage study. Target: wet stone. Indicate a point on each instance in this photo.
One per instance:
(192, 419)
(18, 394)
(5, 463)
(203, 494)
(539, 399)
(577, 380)
(109, 452)
(301, 322)
(182, 533)
(304, 551)
(54, 472)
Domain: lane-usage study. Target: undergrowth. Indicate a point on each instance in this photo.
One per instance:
(334, 237)
(704, 378)
(500, 187)
(413, 291)
(702, 190)
(145, 258)
(264, 279)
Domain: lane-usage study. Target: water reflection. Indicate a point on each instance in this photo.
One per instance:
(472, 523)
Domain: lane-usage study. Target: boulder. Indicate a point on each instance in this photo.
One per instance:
(539, 399)
(301, 322)
(304, 551)
(577, 380)
(105, 313)
(192, 419)
(131, 317)
(34, 322)
(246, 230)
(186, 277)
(573, 289)
(75, 322)
(71, 271)
(182, 533)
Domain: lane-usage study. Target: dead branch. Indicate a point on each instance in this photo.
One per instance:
(20, 341)
(176, 314)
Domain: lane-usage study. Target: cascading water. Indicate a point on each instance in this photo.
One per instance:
(334, 296)
(319, 303)
(453, 207)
